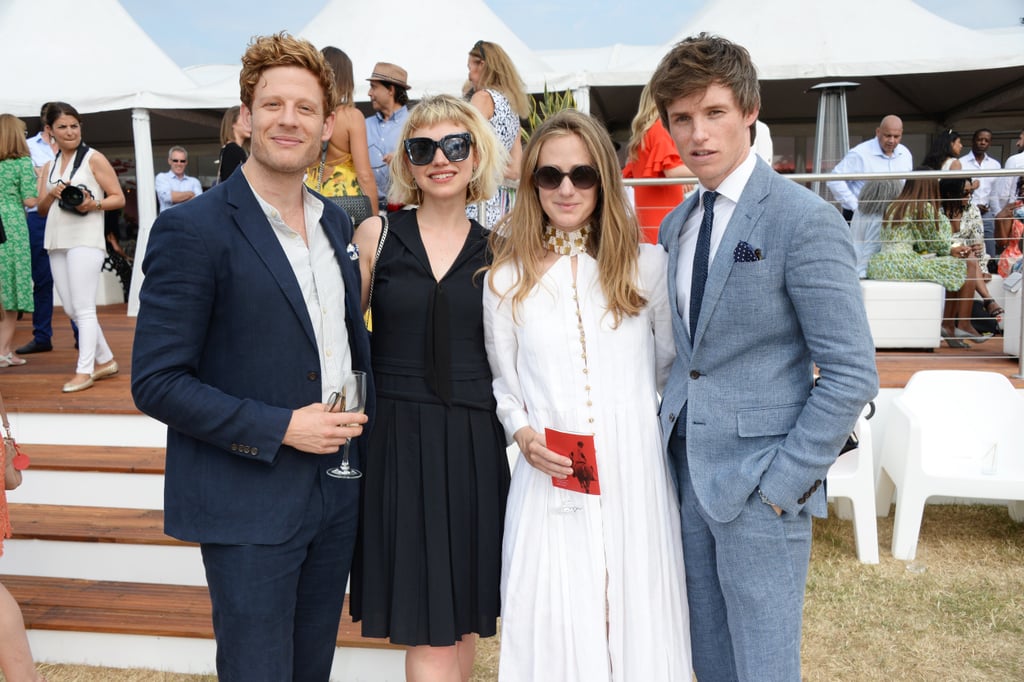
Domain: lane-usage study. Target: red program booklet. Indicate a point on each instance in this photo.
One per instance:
(579, 447)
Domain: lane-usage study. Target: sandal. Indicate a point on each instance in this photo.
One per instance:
(11, 360)
(989, 302)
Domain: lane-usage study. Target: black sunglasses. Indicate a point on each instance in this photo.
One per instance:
(479, 47)
(455, 147)
(549, 177)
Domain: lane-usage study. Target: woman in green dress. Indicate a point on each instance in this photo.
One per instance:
(17, 192)
(917, 245)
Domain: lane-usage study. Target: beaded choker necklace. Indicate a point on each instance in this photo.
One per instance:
(566, 243)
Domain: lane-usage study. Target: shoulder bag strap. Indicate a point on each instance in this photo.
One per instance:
(79, 156)
(376, 257)
(320, 171)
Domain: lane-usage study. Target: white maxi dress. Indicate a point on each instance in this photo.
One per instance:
(598, 594)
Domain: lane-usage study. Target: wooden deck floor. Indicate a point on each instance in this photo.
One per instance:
(36, 386)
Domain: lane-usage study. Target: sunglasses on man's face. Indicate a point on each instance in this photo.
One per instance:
(455, 147)
(549, 177)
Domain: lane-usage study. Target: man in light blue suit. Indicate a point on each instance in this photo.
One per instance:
(762, 273)
(250, 317)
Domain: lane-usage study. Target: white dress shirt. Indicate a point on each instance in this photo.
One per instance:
(983, 195)
(867, 157)
(318, 273)
(1005, 189)
(729, 191)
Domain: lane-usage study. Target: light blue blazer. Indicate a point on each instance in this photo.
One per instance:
(754, 418)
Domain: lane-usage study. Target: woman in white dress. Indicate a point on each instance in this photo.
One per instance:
(577, 327)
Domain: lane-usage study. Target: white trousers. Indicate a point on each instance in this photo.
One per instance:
(76, 274)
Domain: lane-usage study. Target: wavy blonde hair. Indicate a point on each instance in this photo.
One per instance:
(499, 73)
(614, 238)
(490, 156)
(646, 115)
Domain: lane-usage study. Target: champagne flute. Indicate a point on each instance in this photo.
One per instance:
(351, 398)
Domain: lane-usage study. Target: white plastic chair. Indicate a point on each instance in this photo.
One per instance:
(851, 480)
(952, 433)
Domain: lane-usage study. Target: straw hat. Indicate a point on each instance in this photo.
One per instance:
(390, 73)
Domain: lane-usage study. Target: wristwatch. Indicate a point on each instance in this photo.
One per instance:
(99, 204)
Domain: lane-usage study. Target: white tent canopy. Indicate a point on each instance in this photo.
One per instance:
(814, 39)
(97, 59)
(96, 65)
(907, 59)
(430, 40)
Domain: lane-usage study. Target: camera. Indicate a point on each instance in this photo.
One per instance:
(73, 196)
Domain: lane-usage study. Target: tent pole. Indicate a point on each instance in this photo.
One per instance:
(582, 97)
(146, 195)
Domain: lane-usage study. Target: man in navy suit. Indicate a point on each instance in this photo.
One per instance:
(249, 319)
(762, 274)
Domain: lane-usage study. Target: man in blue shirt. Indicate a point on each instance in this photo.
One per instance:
(174, 187)
(389, 94)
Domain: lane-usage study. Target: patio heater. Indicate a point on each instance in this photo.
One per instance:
(832, 134)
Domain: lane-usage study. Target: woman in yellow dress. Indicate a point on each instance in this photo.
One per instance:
(345, 168)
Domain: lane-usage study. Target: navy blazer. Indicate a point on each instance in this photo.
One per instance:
(224, 352)
(753, 419)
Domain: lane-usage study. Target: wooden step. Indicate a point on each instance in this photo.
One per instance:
(133, 609)
(90, 524)
(99, 458)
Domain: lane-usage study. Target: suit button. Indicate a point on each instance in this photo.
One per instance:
(255, 451)
(672, 416)
(312, 376)
(802, 499)
(817, 484)
(234, 447)
(245, 449)
(694, 374)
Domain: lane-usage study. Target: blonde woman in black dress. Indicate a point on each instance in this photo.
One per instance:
(436, 470)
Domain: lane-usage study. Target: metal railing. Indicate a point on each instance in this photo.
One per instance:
(812, 179)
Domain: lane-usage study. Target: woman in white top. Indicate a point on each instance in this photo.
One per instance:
(74, 191)
(578, 332)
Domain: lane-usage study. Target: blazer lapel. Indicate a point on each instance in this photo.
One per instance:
(673, 227)
(254, 226)
(741, 225)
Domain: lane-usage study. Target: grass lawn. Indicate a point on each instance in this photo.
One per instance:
(959, 615)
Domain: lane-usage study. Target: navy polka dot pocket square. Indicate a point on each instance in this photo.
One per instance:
(743, 253)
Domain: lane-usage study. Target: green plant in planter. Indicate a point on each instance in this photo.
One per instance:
(543, 107)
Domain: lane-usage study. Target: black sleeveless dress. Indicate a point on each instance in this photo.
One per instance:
(428, 567)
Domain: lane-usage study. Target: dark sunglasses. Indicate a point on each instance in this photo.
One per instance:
(455, 147)
(549, 177)
(479, 47)
(179, 160)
